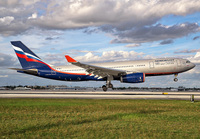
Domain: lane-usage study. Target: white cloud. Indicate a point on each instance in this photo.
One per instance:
(3, 76)
(34, 15)
(121, 15)
(196, 58)
(111, 56)
(6, 20)
(132, 45)
(14, 15)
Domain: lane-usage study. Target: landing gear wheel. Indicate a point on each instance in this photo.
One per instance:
(104, 88)
(175, 75)
(175, 79)
(110, 86)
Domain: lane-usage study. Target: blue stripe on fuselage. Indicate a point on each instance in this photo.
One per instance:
(51, 74)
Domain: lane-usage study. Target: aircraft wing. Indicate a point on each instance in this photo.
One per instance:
(97, 71)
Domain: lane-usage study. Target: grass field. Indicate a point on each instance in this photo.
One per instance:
(71, 118)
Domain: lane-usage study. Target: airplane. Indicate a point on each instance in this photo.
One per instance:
(124, 71)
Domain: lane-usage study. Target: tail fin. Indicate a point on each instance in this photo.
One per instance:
(27, 58)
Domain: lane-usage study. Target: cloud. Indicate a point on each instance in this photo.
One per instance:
(127, 21)
(196, 38)
(120, 15)
(7, 60)
(11, 26)
(196, 58)
(187, 51)
(75, 52)
(3, 76)
(111, 56)
(33, 16)
(51, 38)
(14, 16)
(6, 20)
(54, 59)
(90, 56)
(8, 3)
(155, 33)
(133, 45)
(166, 42)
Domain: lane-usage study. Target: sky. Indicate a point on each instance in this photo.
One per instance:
(100, 31)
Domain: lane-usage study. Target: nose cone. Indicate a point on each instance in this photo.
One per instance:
(192, 65)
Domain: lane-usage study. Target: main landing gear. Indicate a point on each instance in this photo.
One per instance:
(105, 87)
(175, 79)
(108, 84)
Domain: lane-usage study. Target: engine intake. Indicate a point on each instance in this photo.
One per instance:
(133, 78)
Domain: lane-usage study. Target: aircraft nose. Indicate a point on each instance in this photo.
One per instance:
(192, 65)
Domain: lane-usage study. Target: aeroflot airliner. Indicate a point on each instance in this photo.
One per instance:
(126, 71)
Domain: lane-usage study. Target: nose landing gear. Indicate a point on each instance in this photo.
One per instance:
(175, 79)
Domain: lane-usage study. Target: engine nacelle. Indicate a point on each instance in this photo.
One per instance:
(133, 78)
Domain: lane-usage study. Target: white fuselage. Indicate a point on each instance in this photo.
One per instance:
(149, 67)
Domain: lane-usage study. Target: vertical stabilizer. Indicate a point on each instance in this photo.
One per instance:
(27, 58)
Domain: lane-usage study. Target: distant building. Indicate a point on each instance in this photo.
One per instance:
(174, 89)
(181, 88)
(2, 88)
(22, 88)
(63, 88)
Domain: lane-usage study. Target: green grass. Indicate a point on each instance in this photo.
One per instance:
(71, 118)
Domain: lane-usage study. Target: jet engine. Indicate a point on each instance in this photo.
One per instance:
(133, 78)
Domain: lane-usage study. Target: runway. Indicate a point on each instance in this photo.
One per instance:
(100, 95)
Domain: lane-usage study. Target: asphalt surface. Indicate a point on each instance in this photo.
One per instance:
(82, 94)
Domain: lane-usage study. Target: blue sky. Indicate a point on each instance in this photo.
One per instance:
(98, 31)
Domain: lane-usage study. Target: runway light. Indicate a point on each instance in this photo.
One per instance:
(192, 98)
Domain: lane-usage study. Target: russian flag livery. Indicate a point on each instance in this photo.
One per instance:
(27, 58)
(124, 71)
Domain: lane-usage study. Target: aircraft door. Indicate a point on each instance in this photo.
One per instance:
(53, 72)
(178, 62)
(151, 64)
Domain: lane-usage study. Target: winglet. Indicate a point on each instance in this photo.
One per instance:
(69, 59)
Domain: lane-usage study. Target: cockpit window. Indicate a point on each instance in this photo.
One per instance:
(187, 61)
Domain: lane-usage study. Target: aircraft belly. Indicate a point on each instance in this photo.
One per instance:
(68, 77)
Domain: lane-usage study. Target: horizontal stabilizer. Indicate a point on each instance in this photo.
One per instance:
(29, 71)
